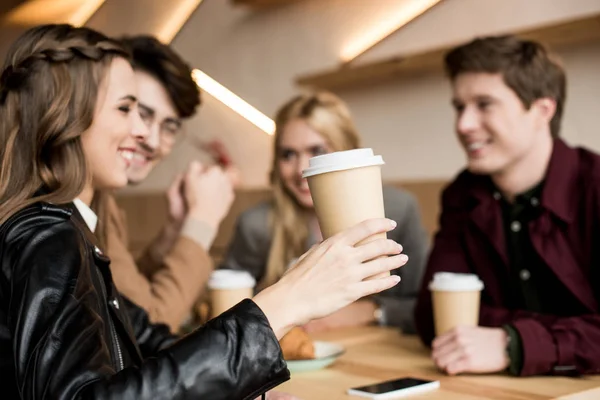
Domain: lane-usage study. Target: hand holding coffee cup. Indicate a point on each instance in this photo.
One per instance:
(227, 288)
(332, 275)
(456, 298)
(346, 190)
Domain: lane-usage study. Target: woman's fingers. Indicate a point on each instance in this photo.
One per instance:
(384, 264)
(365, 229)
(373, 286)
(377, 248)
(330, 276)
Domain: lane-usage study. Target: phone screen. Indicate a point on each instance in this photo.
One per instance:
(392, 386)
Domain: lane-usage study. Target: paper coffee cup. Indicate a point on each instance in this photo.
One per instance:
(456, 299)
(346, 189)
(227, 288)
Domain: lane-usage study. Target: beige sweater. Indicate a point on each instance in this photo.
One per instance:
(166, 291)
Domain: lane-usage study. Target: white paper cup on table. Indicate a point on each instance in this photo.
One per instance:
(227, 288)
(456, 298)
(346, 189)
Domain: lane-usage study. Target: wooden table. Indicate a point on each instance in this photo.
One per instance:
(378, 354)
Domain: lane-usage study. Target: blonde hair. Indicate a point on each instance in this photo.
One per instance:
(328, 115)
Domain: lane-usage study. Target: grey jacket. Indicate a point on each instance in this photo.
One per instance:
(250, 246)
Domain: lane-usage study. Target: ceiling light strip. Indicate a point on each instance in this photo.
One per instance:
(394, 20)
(85, 12)
(233, 101)
(37, 12)
(177, 19)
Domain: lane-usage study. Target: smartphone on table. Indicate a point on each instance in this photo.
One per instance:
(394, 389)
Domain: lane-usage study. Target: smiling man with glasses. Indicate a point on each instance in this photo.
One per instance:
(170, 274)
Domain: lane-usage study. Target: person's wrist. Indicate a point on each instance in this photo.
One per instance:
(282, 314)
(198, 231)
(200, 215)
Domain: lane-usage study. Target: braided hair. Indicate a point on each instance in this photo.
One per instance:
(48, 91)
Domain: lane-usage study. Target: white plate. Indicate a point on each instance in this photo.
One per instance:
(325, 354)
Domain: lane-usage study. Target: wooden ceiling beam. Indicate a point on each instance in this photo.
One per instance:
(555, 36)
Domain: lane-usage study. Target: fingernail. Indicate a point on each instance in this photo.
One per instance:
(403, 257)
(393, 223)
(400, 248)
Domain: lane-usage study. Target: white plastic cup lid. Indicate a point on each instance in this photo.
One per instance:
(341, 160)
(231, 279)
(455, 282)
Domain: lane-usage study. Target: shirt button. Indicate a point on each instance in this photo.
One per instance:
(515, 226)
(525, 275)
(497, 195)
(115, 303)
(534, 201)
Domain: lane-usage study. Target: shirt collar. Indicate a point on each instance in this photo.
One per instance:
(530, 196)
(559, 190)
(89, 216)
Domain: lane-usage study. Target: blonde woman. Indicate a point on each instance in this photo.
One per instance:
(273, 234)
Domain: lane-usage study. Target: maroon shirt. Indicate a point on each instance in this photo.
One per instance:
(566, 237)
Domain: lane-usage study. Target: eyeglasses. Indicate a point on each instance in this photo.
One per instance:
(168, 128)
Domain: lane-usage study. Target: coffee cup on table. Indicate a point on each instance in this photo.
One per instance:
(456, 299)
(227, 288)
(346, 189)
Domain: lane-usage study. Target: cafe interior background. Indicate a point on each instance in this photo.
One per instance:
(383, 57)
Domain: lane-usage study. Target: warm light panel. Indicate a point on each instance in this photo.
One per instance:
(233, 101)
(166, 34)
(180, 14)
(36, 12)
(393, 21)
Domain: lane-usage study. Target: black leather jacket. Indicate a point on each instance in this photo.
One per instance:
(65, 333)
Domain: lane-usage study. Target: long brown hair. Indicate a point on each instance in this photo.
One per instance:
(48, 91)
(328, 115)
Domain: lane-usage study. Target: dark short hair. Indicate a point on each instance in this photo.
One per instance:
(525, 65)
(161, 62)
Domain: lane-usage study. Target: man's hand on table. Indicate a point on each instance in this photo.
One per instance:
(471, 349)
(359, 313)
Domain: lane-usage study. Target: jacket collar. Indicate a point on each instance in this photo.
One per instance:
(102, 263)
(86, 223)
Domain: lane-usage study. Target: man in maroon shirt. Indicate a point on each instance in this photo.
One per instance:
(524, 216)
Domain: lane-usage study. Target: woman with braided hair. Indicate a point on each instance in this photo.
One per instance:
(68, 123)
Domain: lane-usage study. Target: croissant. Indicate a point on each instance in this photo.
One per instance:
(296, 345)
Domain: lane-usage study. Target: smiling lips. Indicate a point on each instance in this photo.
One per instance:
(141, 159)
(126, 154)
(134, 156)
(475, 148)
